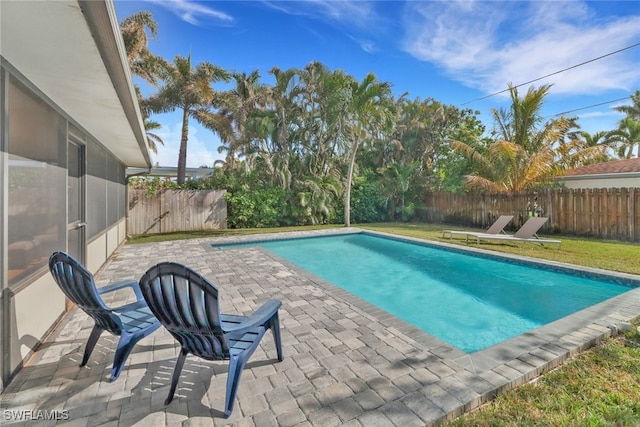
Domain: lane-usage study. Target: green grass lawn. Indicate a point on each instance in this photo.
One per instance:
(599, 387)
(609, 255)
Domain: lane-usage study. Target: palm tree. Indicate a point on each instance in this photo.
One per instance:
(268, 140)
(633, 110)
(627, 137)
(190, 90)
(369, 109)
(400, 176)
(584, 148)
(142, 62)
(152, 138)
(238, 104)
(522, 155)
(323, 100)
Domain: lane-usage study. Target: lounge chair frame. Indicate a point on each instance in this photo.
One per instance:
(496, 228)
(526, 233)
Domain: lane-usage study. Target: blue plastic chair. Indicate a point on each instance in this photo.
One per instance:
(187, 305)
(131, 322)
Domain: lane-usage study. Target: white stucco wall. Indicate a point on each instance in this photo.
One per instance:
(35, 310)
(104, 245)
(605, 181)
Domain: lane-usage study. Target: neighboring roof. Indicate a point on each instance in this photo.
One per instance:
(607, 168)
(73, 52)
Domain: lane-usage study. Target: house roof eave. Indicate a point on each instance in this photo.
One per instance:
(73, 52)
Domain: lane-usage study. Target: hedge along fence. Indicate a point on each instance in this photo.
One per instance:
(606, 213)
(176, 210)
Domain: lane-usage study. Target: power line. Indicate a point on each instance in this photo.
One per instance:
(553, 74)
(591, 106)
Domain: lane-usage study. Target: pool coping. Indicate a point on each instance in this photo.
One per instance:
(519, 359)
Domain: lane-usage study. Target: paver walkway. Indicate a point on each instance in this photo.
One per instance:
(346, 363)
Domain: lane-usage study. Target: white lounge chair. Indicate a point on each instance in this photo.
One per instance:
(496, 228)
(526, 233)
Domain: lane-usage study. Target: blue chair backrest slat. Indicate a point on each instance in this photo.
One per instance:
(78, 285)
(187, 304)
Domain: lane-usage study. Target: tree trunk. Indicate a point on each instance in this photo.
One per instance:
(347, 193)
(182, 154)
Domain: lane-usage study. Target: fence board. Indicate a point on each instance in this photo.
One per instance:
(600, 213)
(176, 210)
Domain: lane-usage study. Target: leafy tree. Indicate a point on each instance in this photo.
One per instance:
(189, 89)
(422, 133)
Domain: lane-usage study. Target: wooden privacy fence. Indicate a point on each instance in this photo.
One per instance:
(606, 213)
(176, 210)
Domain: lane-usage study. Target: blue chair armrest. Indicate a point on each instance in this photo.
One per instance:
(257, 318)
(112, 287)
(129, 307)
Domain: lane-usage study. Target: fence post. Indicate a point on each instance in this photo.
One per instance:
(632, 213)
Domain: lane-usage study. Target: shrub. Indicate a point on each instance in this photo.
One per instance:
(256, 208)
(367, 202)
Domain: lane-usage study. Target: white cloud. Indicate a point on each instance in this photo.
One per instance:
(604, 113)
(201, 146)
(368, 46)
(359, 12)
(193, 12)
(486, 45)
(348, 15)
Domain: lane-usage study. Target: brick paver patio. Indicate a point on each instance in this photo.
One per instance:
(347, 363)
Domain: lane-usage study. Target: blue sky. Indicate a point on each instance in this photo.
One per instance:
(452, 51)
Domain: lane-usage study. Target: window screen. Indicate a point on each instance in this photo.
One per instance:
(36, 182)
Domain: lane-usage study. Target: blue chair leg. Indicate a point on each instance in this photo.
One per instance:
(125, 345)
(91, 343)
(274, 325)
(176, 375)
(236, 364)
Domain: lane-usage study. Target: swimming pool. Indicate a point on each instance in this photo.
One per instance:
(469, 301)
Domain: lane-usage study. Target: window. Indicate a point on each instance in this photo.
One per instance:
(96, 189)
(36, 182)
(114, 172)
(106, 197)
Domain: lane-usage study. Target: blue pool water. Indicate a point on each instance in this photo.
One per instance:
(470, 302)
